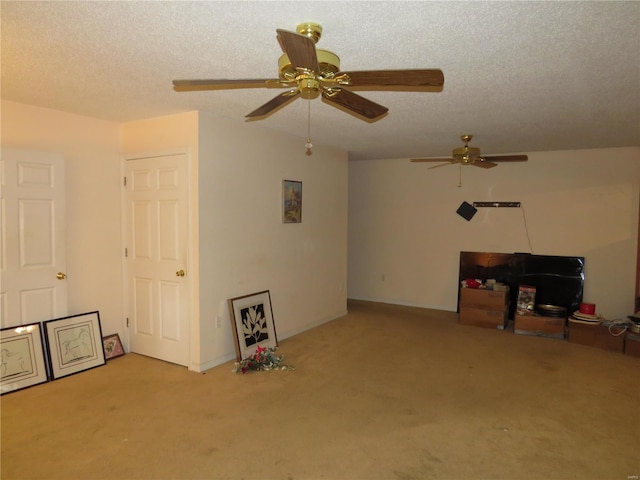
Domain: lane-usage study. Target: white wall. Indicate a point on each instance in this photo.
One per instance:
(405, 236)
(242, 246)
(91, 149)
(245, 247)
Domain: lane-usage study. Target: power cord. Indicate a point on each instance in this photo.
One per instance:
(617, 323)
(526, 228)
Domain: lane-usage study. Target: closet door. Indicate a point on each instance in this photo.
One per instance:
(33, 255)
(157, 232)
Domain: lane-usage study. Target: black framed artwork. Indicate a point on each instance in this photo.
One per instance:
(23, 361)
(74, 344)
(252, 323)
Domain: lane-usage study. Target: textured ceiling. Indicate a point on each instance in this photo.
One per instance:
(520, 76)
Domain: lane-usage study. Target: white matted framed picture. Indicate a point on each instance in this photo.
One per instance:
(252, 323)
(74, 344)
(291, 201)
(23, 358)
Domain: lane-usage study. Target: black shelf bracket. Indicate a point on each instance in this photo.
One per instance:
(497, 204)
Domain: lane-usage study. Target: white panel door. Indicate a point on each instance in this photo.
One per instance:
(33, 285)
(157, 225)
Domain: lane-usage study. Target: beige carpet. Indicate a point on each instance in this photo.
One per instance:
(383, 393)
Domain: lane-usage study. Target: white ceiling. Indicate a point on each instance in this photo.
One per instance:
(521, 76)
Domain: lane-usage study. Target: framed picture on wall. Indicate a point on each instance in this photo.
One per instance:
(74, 344)
(23, 358)
(291, 201)
(252, 323)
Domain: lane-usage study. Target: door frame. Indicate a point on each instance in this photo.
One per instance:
(636, 303)
(192, 262)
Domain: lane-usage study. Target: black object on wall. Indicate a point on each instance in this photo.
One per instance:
(466, 211)
(559, 280)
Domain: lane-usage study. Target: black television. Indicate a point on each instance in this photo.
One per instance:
(559, 280)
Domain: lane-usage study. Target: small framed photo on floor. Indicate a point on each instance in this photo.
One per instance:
(23, 358)
(112, 346)
(74, 344)
(252, 323)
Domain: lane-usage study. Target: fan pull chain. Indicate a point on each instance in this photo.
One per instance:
(460, 177)
(308, 145)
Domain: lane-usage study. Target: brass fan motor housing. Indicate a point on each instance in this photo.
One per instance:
(328, 62)
(466, 154)
(308, 84)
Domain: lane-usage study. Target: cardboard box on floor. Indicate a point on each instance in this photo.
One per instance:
(632, 344)
(479, 317)
(539, 325)
(481, 307)
(597, 335)
(483, 298)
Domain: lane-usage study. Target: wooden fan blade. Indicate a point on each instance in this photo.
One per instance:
(275, 103)
(506, 158)
(354, 103)
(450, 160)
(300, 49)
(441, 165)
(193, 85)
(403, 80)
(483, 164)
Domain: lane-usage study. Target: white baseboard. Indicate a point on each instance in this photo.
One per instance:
(309, 326)
(201, 367)
(403, 304)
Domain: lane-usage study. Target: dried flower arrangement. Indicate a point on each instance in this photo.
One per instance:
(264, 359)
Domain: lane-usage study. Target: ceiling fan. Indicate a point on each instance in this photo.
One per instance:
(471, 156)
(308, 72)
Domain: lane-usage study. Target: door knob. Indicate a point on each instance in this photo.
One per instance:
(180, 273)
(61, 276)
